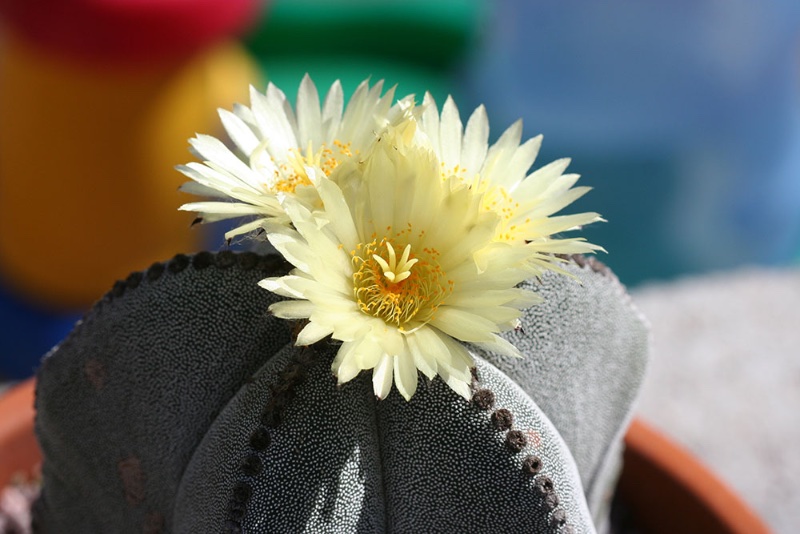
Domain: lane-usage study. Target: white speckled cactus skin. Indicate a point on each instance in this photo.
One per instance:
(179, 405)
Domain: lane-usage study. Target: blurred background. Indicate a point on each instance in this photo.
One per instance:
(683, 116)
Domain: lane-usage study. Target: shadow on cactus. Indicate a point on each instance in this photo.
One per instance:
(425, 357)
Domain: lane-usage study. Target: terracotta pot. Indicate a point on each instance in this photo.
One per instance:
(19, 451)
(664, 488)
(668, 490)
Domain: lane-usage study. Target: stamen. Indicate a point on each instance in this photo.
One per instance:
(389, 289)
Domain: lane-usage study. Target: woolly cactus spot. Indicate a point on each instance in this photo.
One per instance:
(247, 260)
(252, 465)
(532, 465)
(132, 476)
(515, 440)
(225, 259)
(551, 500)
(133, 280)
(155, 271)
(271, 418)
(178, 263)
(544, 484)
(236, 510)
(202, 260)
(242, 491)
(232, 527)
(559, 518)
(260, 439)
(483, 399)
(119, 289)
(502, 419)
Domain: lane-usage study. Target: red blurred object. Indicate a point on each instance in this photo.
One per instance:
(127, 30)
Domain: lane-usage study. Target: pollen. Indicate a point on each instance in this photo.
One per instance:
(291, 173)
(398, 290)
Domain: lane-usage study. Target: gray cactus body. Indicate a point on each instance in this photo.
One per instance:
(340, 461)
(124, 401)
(180, 405)
(586, 349)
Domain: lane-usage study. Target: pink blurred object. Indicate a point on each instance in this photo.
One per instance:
(127, 30)
(15, 508)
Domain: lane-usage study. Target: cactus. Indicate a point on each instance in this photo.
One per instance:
(586, 351)
(178, 404)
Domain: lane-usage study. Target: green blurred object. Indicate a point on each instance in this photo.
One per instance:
(412, 43)
(428, 33)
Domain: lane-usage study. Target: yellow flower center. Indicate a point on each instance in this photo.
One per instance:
(398, 290)
(291, 174)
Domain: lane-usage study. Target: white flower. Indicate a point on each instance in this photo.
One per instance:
(524, 202)
(273, 145)
(399, 265)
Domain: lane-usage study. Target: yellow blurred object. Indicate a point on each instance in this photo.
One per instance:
(88, 190)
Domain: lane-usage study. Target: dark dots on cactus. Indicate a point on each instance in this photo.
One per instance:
(225, 259)
(558, 518)
(232, 527)
(502, 419)
(155, 271)
(305, 357)
(278, 403)
(133, 280)
(284, 391)
(178, 263)
(579, 259)
(598, 266)
(271, 418)
(252, 465)
(202, 260)
(119, 289)
(132, 476)
(544, 484)
(272, 263)
(242, 491)
(247, 260)
(294, 373)
(95, 372)
(260, 439)
(516, 440)
(483, 399)
(236, 510)
(551, 500)
(531, 465)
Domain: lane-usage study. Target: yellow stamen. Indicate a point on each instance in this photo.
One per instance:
(398, 290)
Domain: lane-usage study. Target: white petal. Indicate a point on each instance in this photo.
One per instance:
(422, 357)
(405, 375)
(450, 134)
(476, 141)
(463, 325)
(309, 117)
(382, 377)
(332, 111)
(292, 309)
(238, 130)
(312, 333)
